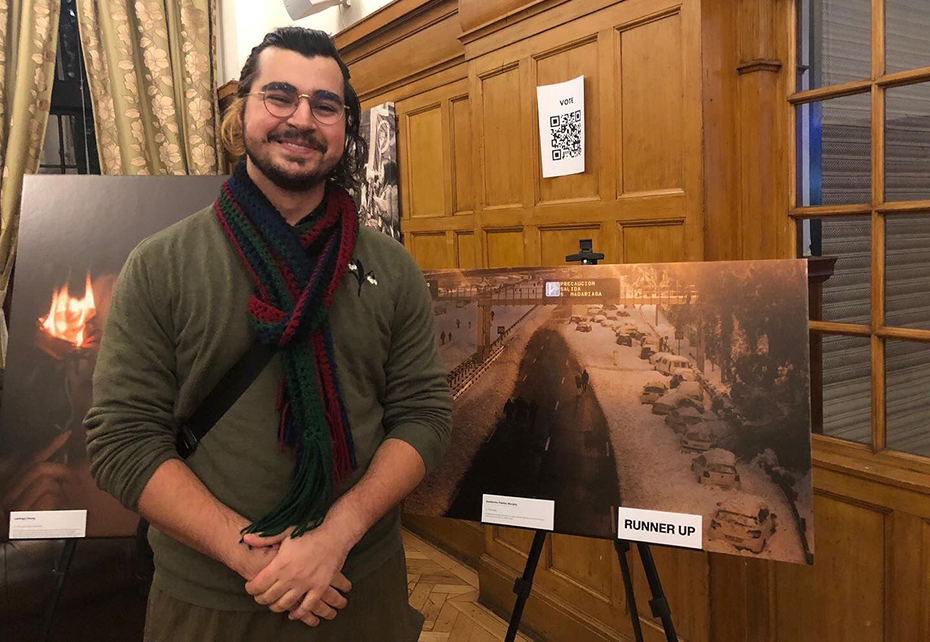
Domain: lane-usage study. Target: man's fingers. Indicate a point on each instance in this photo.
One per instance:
(256, 540)
(306, 608)
(323, 610)
(341, 582)
(334, 598)
(310, 619)
(48, 470)
(287, 602)
(272, 595)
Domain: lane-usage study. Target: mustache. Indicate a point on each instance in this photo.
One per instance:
(297, 136)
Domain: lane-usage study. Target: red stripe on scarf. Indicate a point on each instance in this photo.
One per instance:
(235, 244)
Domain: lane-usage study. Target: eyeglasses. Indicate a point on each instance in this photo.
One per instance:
(281, 103)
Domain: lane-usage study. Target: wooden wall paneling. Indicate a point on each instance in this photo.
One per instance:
(841, 597)
(504, 248)
(463, 192)
(650, 93)
(466, 540)
(558, 242)
(432, 250)
(404, 51)
(653, 241)
(466, 251)
(501, 115)
(426, 161)
(555, 66)
(719, 26)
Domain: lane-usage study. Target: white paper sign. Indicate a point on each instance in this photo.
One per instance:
(48, 524)
(518, 511)
(561, 127)
(659, 527)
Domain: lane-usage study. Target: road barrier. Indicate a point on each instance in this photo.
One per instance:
(466, 373)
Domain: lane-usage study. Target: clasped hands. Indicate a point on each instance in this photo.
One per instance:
(302, 575)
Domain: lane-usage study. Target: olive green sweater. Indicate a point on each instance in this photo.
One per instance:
(178, 322)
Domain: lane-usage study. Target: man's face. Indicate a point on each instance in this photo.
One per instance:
(298, 152)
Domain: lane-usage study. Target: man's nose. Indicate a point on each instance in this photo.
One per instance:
(303, 115)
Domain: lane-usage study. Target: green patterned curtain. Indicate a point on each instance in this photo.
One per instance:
(150, 67)
(28, 43)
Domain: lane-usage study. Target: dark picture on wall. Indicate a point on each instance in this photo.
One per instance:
(682, 388)
(75, 235)
(376, 198)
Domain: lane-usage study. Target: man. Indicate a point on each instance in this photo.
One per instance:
(311, 461)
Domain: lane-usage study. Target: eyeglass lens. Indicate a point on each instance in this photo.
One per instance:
(281, 104)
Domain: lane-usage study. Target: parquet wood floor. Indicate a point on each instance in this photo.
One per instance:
(445, 591)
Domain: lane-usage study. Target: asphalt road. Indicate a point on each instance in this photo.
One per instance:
(556, 447)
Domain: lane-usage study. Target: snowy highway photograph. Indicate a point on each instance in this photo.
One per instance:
(670, 387)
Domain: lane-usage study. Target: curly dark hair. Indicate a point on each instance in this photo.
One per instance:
(310, 43)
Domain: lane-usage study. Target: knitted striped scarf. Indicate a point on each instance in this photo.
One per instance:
(295, 272)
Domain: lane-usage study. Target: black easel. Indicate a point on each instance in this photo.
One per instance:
(659, 604)
(60, 572)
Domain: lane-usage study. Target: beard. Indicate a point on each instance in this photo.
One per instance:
(300, 180)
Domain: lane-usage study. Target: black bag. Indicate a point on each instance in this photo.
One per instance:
(224, 394)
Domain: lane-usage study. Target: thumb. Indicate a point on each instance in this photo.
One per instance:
(256, 540)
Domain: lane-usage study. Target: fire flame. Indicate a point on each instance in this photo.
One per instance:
(68, 316)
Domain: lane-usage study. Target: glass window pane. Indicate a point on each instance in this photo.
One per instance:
(847, 387)
(834, 41)
(907, 23)
(907, 141)
(846, 296)
(907, 401)
(834, 151)
(907, 266)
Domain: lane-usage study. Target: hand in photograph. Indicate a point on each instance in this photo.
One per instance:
(36, 483)
(305, 576)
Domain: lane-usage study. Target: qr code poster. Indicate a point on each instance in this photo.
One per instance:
(561, 127)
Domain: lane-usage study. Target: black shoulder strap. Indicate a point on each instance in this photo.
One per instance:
(223, 396)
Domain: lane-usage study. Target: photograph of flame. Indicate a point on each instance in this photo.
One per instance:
(67, 325)
(64, 280)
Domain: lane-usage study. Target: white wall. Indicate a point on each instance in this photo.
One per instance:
(242, 24)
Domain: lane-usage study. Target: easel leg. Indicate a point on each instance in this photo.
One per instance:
(658, 603)
(60, 572)
(622, 547)
(524, 585)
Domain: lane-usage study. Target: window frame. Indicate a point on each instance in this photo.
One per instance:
(891, 463)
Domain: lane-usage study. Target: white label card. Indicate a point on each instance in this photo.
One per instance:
(518, 511)
(659, 527)
(48, 524)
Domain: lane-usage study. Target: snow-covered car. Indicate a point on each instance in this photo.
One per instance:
(612, 316)
(671, 364)
(593, 310)
(666, 403)
(659, 355)
(652, 391)
(744, 521)
(622, 313)
(637, 334)
(682, 375)
(624, 340)
(609, 306)
(681, 418)
(575, 319)
(647, 349)
(583, 327)
(672, 400)
(716, 467)
(698, 438)
(692, 389)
